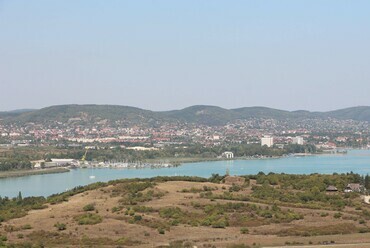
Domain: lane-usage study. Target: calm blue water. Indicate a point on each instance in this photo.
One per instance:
(357, 161)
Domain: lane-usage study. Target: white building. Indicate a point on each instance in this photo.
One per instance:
(63, 162)
(228, 155)
(267, 140)
(298, 140)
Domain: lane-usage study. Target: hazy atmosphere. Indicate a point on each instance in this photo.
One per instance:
(162, 55)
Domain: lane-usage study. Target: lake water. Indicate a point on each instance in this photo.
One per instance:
(357, 161)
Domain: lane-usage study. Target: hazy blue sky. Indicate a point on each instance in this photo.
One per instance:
(171, 54)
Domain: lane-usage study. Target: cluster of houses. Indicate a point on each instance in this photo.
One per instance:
(351, 187)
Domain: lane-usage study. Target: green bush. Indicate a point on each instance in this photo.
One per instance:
(88, 219)
(27, 226)
(337, 215)
(89, 207)
(143, 209)
(138, 218)
(115, 209)
(221, 223)
(60, 226)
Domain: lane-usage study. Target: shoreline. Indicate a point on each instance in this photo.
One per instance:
(181, 161)
(157, 164)
(22, 173)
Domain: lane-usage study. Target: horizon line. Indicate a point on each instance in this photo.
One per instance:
(196, 105)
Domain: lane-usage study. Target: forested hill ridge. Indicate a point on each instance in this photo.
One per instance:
(199, 114)
(13, 113)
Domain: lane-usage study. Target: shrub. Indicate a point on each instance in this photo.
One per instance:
(235, 188)
(324, 214)
(143, 209)
(364, 230)
(244, 230)
(114, 209)
(221, 223)
(27, 226)
(127, 242)
(337, 215)
(60, 226)
(130, 212)
(88, 219)
(138, 218)
(89, 207)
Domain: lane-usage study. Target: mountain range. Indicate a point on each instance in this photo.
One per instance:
(198, 114)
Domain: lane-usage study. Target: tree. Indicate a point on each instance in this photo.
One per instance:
(367, 181)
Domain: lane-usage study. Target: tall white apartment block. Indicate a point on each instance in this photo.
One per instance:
(298, 140)
(267, 140)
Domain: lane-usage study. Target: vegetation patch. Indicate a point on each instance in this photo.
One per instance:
(128, 241)
(18, 207)
(343, 228)
(89, 207)
(50, 239)
(88, 219)
(60, 226)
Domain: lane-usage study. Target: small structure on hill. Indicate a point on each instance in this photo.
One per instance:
(234, 180)
(331, 188)
(354, 187)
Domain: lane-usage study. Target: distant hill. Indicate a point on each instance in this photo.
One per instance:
(263, 112)
(361, 113)
(203, 114)
(199, 114)
(65, 113)
(15, 112)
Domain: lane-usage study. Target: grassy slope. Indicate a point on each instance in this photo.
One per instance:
(170, 206)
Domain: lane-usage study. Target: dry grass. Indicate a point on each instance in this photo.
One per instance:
(123, 227)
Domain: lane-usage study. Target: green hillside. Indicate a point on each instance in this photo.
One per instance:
(202, 114)
(263, 112)
(65, 113)
(14, 113)
(199, 114)
(361, 113)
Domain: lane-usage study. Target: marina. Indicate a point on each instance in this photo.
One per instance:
(356, 161)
